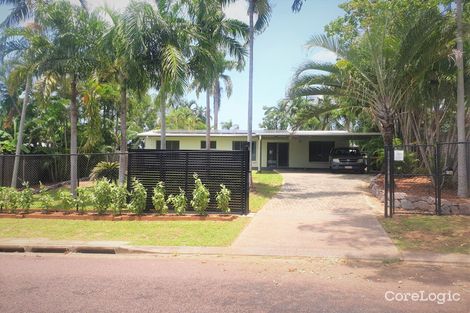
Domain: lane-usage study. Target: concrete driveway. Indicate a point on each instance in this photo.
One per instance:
(318, 214)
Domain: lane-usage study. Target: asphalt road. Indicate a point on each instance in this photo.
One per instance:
(97, 283)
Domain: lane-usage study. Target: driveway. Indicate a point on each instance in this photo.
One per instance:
(318, 214)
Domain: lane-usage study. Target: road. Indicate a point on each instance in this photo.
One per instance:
(117, 283)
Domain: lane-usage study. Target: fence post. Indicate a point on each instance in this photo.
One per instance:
(392, 181)
(437, 179)
(386, 179)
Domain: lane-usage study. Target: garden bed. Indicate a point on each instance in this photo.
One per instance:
(417, 195)
(123, 217)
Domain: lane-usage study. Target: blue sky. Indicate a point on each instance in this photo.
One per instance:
(278, 51)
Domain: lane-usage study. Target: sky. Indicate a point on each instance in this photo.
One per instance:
(278, 52)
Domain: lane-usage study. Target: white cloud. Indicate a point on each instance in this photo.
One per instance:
(238, 10)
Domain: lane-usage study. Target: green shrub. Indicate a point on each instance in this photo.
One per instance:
(11, 198)
(201, 196)
(102, 195)
(45, 199)
(119, 198)
(223, 199)
(84, 197)
(178, 202)
(66, 199)
(108, 170)
(25, 198)
(138, 197)
(158, 198)
(3, 192)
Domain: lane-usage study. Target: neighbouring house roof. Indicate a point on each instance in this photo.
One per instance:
(262, 133)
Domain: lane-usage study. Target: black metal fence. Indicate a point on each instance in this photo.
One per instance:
(49, 169)
(176, 169)
(423, 179)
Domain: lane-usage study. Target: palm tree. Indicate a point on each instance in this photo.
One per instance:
(71, 53)
(24, 9)
(462, 174)
(263, 9)
(377, 77)
(126, 71)
(228, 86)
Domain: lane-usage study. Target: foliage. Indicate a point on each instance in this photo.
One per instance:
(3, 192)
(223, 199)
(84, 196)
(45, 198)
(11, 199)
(119, 198)
(67, 199)
(25, 198)
(108, 170)
(201, 196)
(158, 198)
(178, 202)
(138, 197)
(102, 195)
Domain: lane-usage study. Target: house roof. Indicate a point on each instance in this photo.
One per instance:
(262, 133)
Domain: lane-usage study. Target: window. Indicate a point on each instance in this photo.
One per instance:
(170, 145)
(213, 144)
(240, 145)
(319, 151)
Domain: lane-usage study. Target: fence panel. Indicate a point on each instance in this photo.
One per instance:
(176, 169)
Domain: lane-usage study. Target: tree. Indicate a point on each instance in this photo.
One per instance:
(462, 173)
(69, 52)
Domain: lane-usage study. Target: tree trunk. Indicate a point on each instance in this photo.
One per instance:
(387, 132)
(208, 120)
(19, 142)
(123, 118)
(250, 83)
(217, 97)
(163, 119)
(73, 137)
(462, 188)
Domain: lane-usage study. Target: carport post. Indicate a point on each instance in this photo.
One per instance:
(260, 149)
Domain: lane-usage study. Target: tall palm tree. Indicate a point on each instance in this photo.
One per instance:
(70, 52)
(462, 173)
(223, 78)
(126, 71)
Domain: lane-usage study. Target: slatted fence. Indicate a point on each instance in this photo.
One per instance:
(176, 168)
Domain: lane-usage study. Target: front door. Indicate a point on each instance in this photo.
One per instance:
(278, 154)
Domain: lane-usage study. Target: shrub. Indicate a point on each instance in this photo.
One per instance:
(25, 198)
(45, 199)
(138, 197)
(11, 197)
(108, 170)
(119, 198)
(102, 195)
(178, 202)
(201, 196)
(84, 197)
(223, 199)
(158, 198)
(3, 192)
(67, 199)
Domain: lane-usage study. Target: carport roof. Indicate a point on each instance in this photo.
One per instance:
(262, 133)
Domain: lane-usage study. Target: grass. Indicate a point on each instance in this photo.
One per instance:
(168, 233)
(266, 185)
(438, 234)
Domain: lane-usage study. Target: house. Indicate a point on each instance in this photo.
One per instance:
(271, 148)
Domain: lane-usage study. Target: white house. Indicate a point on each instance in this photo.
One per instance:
(271, 148)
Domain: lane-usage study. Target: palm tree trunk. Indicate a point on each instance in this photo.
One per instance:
(19, 142)
(162, 102)
(123, 118)
(73, 137)
(462, 179)
(208, 120)
(217, 97)
(250, 82)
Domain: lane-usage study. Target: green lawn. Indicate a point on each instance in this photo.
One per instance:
(439, 234)
(168, 233)
(266, 185)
